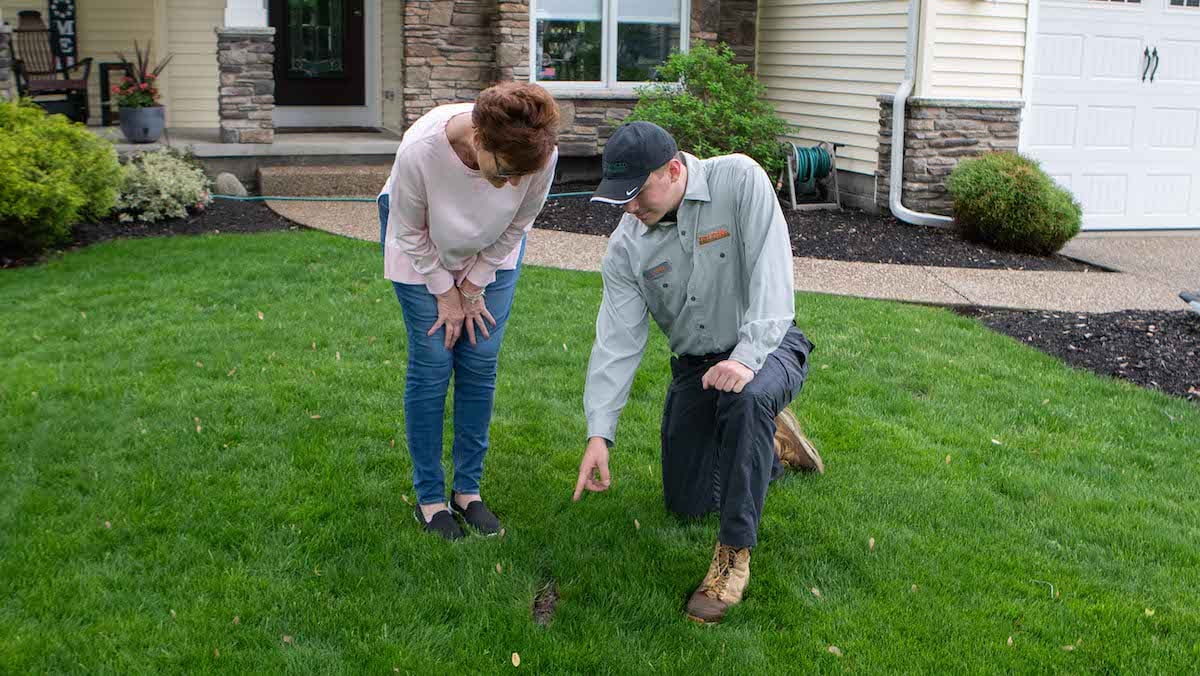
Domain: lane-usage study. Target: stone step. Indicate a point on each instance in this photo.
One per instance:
(323, 181)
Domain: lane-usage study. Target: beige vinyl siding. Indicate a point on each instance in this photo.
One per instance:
(824, 62)
(9, 9)
(978, 49)
(392, 63)
(107, 29)
(192, 76)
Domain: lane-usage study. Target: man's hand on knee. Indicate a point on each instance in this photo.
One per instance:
(728, 376)
(595, 462)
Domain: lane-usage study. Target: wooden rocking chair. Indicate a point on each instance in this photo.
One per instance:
(42, 72)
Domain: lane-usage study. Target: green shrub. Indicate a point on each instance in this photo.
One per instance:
(716, 108)
(1006, 201)
(55, 173)
(162, 184)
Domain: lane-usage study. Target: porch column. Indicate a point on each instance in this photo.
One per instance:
(246, 61)
(5, 63)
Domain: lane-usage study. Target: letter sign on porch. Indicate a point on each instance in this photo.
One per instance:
(62, 29)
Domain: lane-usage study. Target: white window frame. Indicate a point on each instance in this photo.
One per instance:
(608, 84)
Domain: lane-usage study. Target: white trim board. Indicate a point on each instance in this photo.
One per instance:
(1032, 15)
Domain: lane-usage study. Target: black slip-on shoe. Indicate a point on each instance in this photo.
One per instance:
(477, 516)
(442, 523)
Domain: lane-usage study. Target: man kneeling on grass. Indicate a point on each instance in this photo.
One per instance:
(703, 249)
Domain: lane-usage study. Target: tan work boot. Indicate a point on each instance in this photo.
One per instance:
(722, 587)
(793, 448)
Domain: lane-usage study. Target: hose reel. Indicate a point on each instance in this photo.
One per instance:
(808, 170)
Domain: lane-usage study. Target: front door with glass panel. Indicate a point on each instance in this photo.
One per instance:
(319, 57)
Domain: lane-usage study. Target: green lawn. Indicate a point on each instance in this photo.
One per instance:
(135, 539)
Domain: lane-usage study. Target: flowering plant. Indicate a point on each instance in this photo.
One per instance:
(162, 184)
(139, 89)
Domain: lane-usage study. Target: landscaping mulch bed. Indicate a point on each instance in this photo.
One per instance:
(847, 235)
(220, 216)
(1155, 349)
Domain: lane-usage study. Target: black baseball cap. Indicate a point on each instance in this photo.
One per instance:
(631, 154)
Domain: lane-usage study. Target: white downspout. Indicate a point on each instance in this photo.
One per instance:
(896, 175)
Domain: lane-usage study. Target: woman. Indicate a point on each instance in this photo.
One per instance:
(467, 182)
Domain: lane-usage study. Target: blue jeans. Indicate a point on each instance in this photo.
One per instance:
(430, 366)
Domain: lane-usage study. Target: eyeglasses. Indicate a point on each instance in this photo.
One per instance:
(501, 172)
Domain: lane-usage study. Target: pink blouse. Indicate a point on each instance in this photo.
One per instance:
(446, 222)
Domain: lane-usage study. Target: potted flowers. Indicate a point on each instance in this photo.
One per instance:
(142, 116)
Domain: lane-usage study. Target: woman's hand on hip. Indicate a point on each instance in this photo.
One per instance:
(475, 311)
(450, 316)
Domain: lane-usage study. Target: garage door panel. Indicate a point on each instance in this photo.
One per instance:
(1060, 55)
(1053, 126)
(1179, 62)
(1168, 194)
(1103, 194)
(1117, 57)
(1174, 129)
(1108, 128)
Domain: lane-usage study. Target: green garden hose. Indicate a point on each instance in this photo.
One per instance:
(811, 164)
(260, 198)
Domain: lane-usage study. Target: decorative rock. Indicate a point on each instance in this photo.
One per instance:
(228, 184)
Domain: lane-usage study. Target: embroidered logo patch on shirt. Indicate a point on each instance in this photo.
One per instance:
(657, 271)
(714, 236)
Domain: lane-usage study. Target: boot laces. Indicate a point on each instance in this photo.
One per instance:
(726, 558)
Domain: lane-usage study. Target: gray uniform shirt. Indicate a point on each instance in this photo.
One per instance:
(718, 279)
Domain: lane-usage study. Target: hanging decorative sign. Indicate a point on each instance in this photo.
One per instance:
(62, 29)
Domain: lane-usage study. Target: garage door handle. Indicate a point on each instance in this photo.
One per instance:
(1155, 55)
(1146, 69)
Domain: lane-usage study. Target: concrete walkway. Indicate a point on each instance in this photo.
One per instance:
(1152, 274)
(1172, 258)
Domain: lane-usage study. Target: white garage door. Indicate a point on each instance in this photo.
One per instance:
(1115, 110)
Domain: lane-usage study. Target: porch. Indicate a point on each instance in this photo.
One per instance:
(324, 148)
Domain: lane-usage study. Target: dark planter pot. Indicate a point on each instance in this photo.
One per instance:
(142, 125)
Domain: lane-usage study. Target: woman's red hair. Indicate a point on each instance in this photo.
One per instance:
(518, 121)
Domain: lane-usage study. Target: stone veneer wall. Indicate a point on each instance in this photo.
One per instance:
(449, 52)
(455, 49)
(587, 124)
(733, 22)
(246, 60)
(5, 63)
(938, 133)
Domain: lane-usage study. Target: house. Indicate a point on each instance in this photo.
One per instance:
(251, 67)
(1105, 93)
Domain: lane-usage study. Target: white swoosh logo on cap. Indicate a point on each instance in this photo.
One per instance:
(631, 192)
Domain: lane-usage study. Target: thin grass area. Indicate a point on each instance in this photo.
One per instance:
(171, 501)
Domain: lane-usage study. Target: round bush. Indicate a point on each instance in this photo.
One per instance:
(1006, 201)
(55, 173)
(162, 184)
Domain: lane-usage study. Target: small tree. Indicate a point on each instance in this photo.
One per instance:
(713, 106)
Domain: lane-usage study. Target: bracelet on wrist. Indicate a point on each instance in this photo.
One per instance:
(471, 297)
